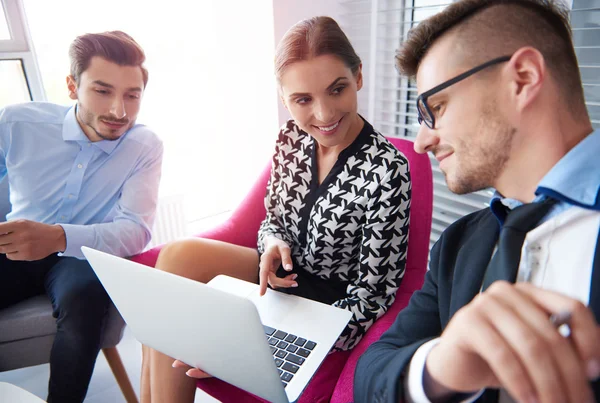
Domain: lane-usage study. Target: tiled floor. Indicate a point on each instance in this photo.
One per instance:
(103, 387)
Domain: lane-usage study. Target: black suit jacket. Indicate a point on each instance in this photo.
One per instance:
(457, 266)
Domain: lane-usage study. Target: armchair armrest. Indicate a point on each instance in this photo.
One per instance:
(412, 281)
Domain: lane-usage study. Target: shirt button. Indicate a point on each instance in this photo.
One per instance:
(62, 217)
(70, 196)
(89, 144)
(79, 166)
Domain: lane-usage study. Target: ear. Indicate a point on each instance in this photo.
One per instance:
(528, 75)
(359, 78)
(72, 87)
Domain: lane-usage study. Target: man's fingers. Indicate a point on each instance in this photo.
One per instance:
(585, 331)
(7, 239)
(541, 337)
(10, 226)
(8, 249)
(14, 256)
(531, 348)
(499, 355)
(285, 282)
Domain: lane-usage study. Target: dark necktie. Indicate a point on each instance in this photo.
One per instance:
(519, 221)
(505, 263)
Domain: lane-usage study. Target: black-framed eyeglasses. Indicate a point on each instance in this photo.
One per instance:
(425, 114)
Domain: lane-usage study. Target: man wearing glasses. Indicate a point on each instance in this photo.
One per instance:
(510, 306)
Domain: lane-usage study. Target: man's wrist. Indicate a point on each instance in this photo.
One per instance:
(436, 391)
(60, 238)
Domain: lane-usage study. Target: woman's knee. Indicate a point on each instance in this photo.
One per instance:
(183, 258)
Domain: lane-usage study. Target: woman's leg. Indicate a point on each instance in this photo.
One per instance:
(145, 381)
(200, 260)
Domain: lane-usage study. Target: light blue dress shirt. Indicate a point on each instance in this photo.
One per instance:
(574, 180)
(103, 194)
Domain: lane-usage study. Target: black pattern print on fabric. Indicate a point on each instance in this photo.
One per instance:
(352, 229)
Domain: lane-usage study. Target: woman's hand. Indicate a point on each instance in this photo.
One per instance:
(192, 372)
(277, 252)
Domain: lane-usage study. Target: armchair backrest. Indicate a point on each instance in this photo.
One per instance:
(421, 208)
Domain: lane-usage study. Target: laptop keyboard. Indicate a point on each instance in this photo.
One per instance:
(289, 352)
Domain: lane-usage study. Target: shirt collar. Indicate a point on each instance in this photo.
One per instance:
(574, 180)
(72, 132)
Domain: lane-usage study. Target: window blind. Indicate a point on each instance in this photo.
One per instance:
(376, 28)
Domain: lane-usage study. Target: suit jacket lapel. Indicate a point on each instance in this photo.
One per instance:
(594, 302)
(472, 261)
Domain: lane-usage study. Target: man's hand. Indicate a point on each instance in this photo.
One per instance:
(504, 338)
(277, 252)
(30, 240)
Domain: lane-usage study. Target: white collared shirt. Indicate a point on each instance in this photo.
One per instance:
(558, 255)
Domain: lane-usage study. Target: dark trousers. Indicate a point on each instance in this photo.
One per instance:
(79, 305)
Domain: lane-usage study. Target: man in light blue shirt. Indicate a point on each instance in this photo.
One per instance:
(81, 175)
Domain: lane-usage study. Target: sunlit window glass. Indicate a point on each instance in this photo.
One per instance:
(13, 82)
(4, 32)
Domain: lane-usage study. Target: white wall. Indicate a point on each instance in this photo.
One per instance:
(288, 12)
(211, 96)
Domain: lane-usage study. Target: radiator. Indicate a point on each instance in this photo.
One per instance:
(170, 222)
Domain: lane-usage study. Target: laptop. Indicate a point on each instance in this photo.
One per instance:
(270, 346)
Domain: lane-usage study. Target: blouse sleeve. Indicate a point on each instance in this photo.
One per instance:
(273, 224)
(382, 255)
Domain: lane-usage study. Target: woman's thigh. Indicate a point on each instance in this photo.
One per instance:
(202, 259)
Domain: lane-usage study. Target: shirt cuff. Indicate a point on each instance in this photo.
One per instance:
(76, 236)
(414, 386)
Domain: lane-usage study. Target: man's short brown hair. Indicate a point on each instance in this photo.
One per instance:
(114, 46)
(486, 29)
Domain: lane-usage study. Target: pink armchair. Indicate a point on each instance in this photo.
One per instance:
(334, 379)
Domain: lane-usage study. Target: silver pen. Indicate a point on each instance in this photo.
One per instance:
(561, 322)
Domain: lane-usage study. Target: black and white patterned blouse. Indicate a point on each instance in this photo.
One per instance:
(352, 229)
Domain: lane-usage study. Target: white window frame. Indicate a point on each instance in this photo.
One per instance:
(20, 47)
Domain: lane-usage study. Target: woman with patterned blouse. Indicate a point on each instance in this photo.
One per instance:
(337, 202)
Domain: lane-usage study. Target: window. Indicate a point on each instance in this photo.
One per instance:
(4, 32)
(376, 29)
(211, 95)
(19, 75)
(14, 84)
(585, 20)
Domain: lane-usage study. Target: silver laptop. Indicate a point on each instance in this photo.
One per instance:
(270, 346)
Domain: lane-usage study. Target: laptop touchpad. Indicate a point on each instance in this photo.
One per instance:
(274, 307)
